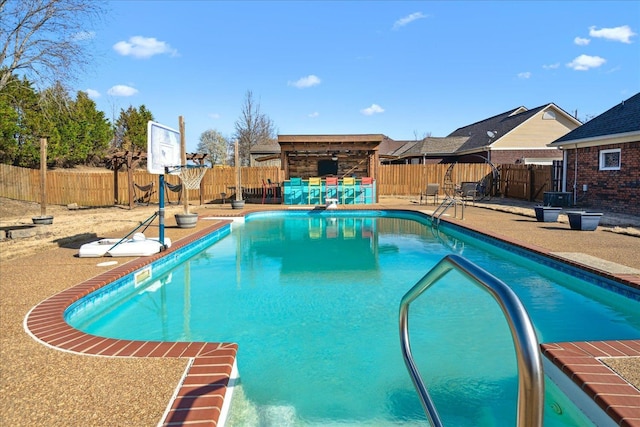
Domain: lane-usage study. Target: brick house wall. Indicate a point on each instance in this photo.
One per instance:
(513, 156)
(612, 190)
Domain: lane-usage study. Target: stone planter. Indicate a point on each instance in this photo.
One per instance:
(547, 213)
(186, 220)
(585, 221)
(237, 204)
(42, 220)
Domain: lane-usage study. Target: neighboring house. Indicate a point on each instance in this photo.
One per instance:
(515, 136)
(427, 150)
(265, 154)
(602, 159)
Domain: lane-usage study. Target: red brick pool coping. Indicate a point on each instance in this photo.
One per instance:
(200, 396)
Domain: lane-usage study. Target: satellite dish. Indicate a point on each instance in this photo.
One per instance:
(491, 134)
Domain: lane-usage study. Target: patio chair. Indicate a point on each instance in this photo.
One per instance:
(468, 191)
(366, 189)
(348, 190)
(315, 190)
(432, 191)
(295, 196)
(331, 189)
(142, 193)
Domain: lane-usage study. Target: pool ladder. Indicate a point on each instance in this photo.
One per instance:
(447, 202)
(530, 371)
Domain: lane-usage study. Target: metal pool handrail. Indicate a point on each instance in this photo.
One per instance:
(530, 371)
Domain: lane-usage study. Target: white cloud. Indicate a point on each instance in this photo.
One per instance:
(313, 115)
(122, 90)
(374, 109)
(93, 93)
(581, 41)
(584, 62)
(143, 47)
(214, 116)
(619, 34)
(408, 19)
(551, 66)
(524, 75)
(304, 82)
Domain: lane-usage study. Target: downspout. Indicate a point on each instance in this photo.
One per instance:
(575, 177)
(565, 159)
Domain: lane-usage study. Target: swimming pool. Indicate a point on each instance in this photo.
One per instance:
(330, 315)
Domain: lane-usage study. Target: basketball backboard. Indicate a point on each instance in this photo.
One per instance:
(163, 149)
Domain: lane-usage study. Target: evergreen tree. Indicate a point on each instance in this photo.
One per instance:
(131, 129)
(19, 109)
(94, 130)
(76, 131)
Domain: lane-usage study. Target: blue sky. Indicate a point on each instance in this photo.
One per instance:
(403, 69)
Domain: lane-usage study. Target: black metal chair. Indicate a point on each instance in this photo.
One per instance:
(432, 191)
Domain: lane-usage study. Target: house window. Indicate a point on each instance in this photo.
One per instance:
(549, 115)
(610, 160)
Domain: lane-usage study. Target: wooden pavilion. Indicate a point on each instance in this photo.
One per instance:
(342, 156)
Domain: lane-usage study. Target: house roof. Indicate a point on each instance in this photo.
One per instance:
(430, 146)
(267, 148)
(326, 143)
(500, 125)
(390, 147)
(620, 119)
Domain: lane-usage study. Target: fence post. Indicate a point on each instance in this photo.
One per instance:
(130, 176)
(43, 177)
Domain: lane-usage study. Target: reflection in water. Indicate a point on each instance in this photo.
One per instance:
(318, 244)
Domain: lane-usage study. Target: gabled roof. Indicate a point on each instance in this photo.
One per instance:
(389, 147)
(500, 125)
(430, 146)
(624, 118)
(272, 147)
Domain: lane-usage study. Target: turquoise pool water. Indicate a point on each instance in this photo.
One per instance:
(312, 300)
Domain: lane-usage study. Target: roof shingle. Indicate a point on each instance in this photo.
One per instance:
(622, 118)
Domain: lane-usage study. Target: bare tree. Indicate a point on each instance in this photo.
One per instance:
(424, 135)
(252, 128)
(46, 40)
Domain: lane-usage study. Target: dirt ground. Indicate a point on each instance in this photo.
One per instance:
(69, 224)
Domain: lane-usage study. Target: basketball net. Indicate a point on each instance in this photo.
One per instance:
(191, 177)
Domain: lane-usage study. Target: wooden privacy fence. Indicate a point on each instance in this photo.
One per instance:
(98, 188)
(411, 180)
(525, 182)
(217, 181)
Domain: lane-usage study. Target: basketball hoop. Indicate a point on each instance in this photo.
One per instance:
(191, 176)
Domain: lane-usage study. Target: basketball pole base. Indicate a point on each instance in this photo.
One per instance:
(161, 212)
